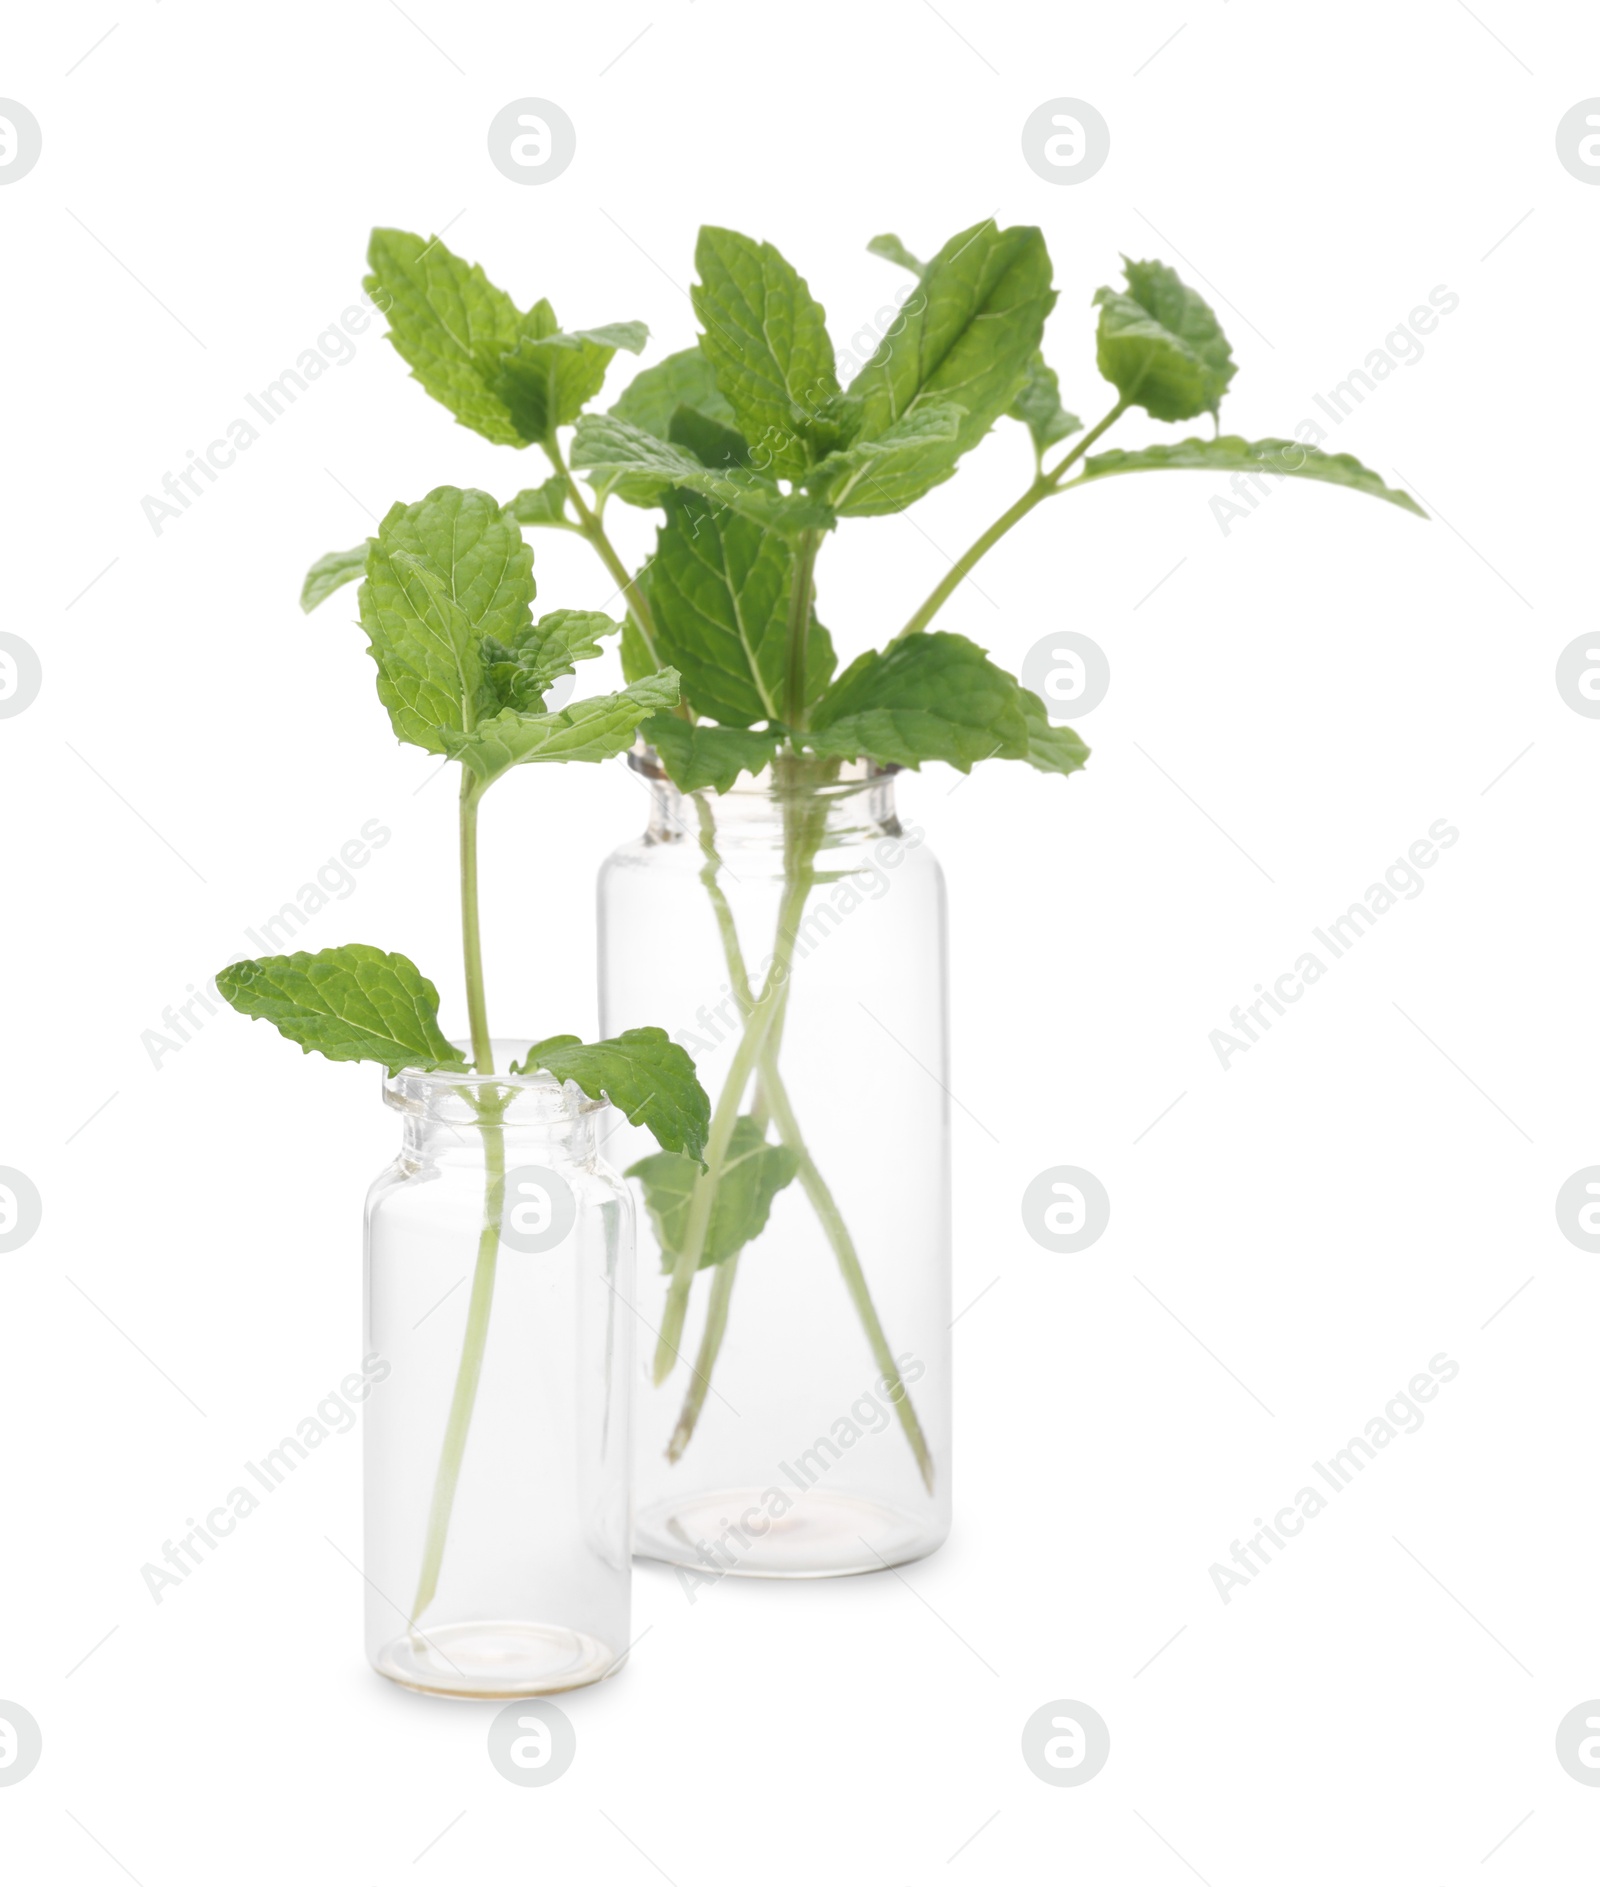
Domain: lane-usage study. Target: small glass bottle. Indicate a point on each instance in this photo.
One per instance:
(799, 1423)
(498, 1285)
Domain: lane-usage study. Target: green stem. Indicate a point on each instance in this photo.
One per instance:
(757, 1024)
(732, 953)
(764, 1060)
(775, 1095)
(802, 840)
(800, 595)
(1071, 456)
(471, 941)
(638, 604)
(710, 1344)
(476, 1337)
(760, 1110)
(1046, 485)
(844, 1251)
(468, 1370)
(760, 1019)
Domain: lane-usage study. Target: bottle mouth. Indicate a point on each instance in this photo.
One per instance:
(464, 1097)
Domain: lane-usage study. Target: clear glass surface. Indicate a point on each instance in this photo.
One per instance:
(499, 1268)
(803, 1427)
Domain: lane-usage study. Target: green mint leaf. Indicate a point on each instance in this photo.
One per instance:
(821, 661)
(442, 574)
(767, 341)
(547, 378)
(928, 697)
(875, 476)
(966, 336)
(350, 1004)
(637, 661)
(642, 468)
(332, 573)
(892, 249)
(753, 1172)
(543, 504)
(1283, 458)
(719, 590)
(629, 336)
(1039, 407)
(597, 729)
(697, 756)
(1161, 346)
(711, 442)
(518, 675)
(836, 424)
(449, 324)
(1050, 749)
(651, 399)
(642, 1073)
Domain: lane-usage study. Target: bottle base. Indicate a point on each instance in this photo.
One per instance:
(822, 1536)
(485, 1659)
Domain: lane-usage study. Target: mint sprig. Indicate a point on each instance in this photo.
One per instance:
(754, 454)
(463, 669)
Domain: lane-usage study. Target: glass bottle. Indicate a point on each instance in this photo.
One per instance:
(500, 1350)
(796, 1423)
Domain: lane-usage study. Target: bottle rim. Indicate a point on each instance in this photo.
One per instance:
(460, 1095)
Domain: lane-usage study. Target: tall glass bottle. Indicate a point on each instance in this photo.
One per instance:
(500, 1353)
(795, 1412)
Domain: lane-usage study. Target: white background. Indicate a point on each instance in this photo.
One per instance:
(1324, 681)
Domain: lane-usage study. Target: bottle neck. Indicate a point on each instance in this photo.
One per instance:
(840, 804)
(429, 1141)
(452, 1116)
